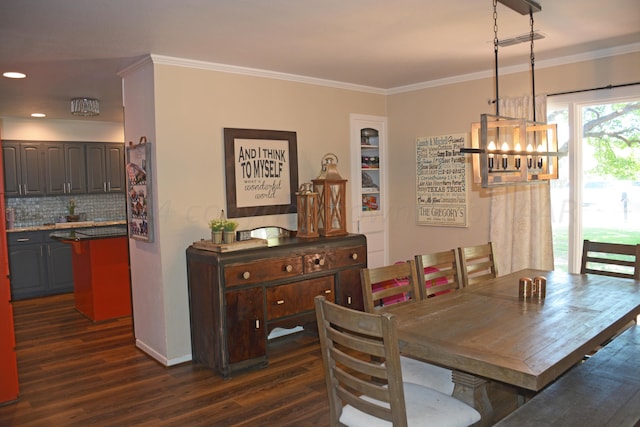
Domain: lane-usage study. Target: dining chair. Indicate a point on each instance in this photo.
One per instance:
(611, 259)
(399, 284)
(390, 284)
(477, 264)
(440, 272)
(363, 373)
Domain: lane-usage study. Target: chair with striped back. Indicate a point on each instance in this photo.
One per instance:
(361, 360)
(440, 272)
(477, 264)
(611, 259)
(399, 284)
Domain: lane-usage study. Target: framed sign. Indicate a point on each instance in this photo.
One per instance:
(139, 195)
(261, 169)
(441, 181)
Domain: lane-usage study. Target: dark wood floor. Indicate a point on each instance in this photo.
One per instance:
(76, 373)
(73, 372)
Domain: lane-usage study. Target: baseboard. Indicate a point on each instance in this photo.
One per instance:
(161, 358)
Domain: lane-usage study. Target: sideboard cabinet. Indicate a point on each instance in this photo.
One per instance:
(238, 298)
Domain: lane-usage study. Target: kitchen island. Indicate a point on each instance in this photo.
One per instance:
(102, 286)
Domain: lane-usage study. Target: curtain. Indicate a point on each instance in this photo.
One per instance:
(520, 226)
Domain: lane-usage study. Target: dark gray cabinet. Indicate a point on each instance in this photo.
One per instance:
(59, 168)
(65, 168)
(24, 168)
(38, 265)
(105, 166)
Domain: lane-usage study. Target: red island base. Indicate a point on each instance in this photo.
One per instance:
(102, 286)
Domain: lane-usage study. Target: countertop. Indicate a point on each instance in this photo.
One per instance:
(90, 233)
(67, 225)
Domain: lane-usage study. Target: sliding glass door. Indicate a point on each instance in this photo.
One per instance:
(598, 194)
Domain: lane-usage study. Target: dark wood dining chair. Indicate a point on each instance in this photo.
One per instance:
(611, 259)
(477, 264)
(439, 271)
(363, 374)
(399, 284)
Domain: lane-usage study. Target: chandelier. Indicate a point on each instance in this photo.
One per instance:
(507, 150)
(85, 107)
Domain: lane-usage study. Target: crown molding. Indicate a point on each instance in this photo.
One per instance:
(255, 72)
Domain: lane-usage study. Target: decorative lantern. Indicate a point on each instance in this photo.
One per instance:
(331, 189)
(307, 211)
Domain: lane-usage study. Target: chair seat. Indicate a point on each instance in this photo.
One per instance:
(425, 407)
(427, 375)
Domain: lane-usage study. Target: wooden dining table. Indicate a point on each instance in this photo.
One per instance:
(486, 332)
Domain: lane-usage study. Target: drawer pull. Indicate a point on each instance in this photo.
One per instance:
(319, 261)
(257, 323)
(288, 268)
(246, 275)
(327, 291)
(23, 240)
(279, 302)
(354, 256)
(349, 300)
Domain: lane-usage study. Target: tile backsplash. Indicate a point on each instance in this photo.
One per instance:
(34, 211)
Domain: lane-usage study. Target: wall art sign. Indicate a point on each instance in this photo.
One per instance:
(261, 169)
(139, 196)
(441, 181)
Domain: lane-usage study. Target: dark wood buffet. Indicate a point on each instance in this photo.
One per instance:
(237, 298)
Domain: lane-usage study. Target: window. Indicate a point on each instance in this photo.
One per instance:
(597, 195)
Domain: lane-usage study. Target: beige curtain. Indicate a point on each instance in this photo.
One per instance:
(520, 225)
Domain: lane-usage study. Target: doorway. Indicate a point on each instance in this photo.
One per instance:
(597, 195)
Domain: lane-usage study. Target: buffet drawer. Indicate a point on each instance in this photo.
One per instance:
(263, 270)
(337, 258)
(293, 298)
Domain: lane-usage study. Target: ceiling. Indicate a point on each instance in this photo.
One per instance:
(75, 48)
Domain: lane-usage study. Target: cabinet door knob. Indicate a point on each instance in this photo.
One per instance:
(279, 302)
(288, 268)
(349, 300)
(319, 261)
(246, 275)
(327, 291)
(257, 323)
(354, 256)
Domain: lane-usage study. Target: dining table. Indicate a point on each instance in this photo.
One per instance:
(488, 332)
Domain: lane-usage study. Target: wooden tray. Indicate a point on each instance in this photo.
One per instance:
(208, 245)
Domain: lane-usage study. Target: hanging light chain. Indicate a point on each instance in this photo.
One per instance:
(533, 61)
(495, 51)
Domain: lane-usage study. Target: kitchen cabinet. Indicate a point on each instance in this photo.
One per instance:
(105, 166)
(38, 265)
(24, 168)
(59, 168)
(65, 168)
(238, 297)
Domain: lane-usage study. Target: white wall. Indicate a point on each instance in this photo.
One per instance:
(450, 109)
(192, 106)
(60, 130)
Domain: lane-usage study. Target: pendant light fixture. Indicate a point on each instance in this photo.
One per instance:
(85, 107)
(507, 150)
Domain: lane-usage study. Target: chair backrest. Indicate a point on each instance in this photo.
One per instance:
(611, 259)
(361, 362)
(391, 284)
(477, 264)
(440, 272)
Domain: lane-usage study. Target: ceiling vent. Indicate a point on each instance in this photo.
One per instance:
(523, 38)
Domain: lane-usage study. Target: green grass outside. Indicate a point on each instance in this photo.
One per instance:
(561, 240)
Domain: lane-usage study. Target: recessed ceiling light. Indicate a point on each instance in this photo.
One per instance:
(38, 115)
(14, 75)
